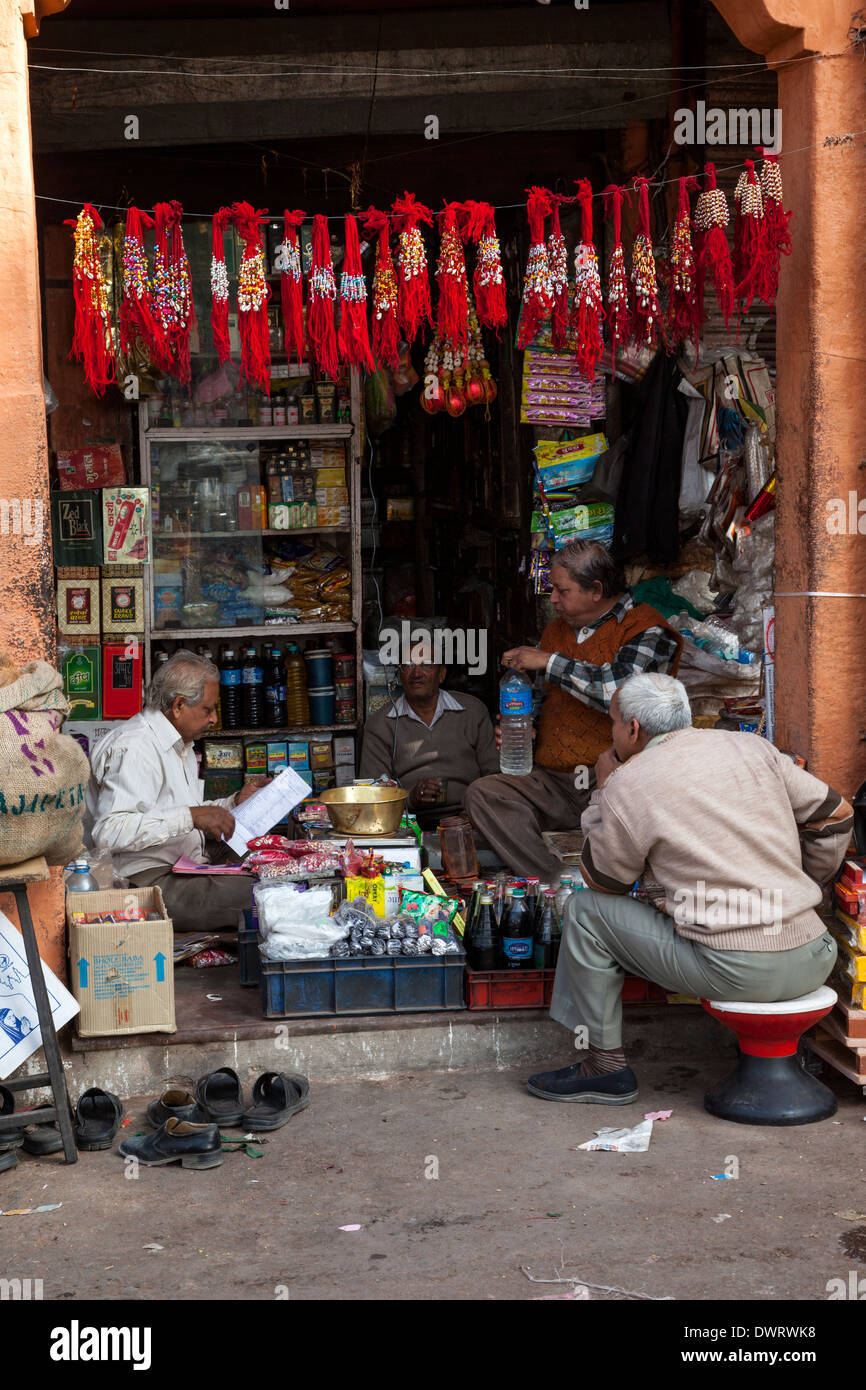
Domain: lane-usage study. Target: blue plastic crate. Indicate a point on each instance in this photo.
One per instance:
(249, 958)
(362, 985)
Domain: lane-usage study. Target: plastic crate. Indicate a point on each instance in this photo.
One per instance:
(249, 958)
(361, 985)
(533, 989)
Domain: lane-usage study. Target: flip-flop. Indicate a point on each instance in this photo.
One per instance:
(9, 1138)
(220, 1096)
(97, 1117)
(277, 1096)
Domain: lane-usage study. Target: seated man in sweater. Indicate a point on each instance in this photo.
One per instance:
(737, 836)
(599, 638)
(432, 742)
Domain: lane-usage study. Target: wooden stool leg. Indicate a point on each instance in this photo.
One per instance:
(53, 1059)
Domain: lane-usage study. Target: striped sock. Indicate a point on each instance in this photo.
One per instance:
(599, 1062)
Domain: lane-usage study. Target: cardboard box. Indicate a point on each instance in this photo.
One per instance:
(344, 750)
(256, 758)
(121, 973)
(344, 774)
(278, 757)
(76, 528)
(77, 600)
(220, 784)
(87, 732)
(122, 677)
(321, 753)
(90, 468)
(122, 604)
(81, 668)
(125, 525)
(299, 756)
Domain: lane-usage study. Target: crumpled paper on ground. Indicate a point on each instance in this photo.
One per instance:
(634, 1141)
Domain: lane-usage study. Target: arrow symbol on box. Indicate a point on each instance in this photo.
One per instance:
(83, 965)
(160, 967)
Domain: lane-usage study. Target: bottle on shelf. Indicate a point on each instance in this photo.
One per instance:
(275, 689)
(483, 949)
(516, 932)
(297, 703)
(231, 689)
(544, 938)
(515, 709)
(253, 689)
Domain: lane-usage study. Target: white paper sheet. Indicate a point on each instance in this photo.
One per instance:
(20, 1034)
(266, 807)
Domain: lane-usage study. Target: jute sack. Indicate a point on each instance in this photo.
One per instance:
(43, 774)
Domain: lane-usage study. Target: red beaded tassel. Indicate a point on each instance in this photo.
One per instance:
(647, 326)
(587, 307)
(354, 339)
(685, 307)
(172, 287)
(386, 332)
(751, 254)
(413, 280)
(452, 309)
(292, 285)
(711, 244)
(557, 255)
(92, 343)
(537, 302)
(321, 298)
(137, 321)
(776, 222)
(253, 295)
(219, 284)
(618, 311)
(488, 281)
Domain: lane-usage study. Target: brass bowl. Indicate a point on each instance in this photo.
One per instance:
(365, 810)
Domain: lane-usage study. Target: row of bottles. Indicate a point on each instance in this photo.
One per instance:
(516, 925)
(258, 691)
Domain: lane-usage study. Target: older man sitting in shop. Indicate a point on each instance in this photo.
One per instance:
(145, 799)
(598, 639)
(737, 836)
(433, 743)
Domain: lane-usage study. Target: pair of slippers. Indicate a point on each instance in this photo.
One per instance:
(95, 1122)
(219, 1099)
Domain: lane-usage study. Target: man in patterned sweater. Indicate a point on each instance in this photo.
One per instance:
(599, 638)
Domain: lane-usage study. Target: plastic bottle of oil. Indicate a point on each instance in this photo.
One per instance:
(297, 704)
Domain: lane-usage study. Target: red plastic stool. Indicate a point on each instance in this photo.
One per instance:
(768, 1085)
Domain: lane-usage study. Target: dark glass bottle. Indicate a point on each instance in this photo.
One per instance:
(275, 689)
(253, 689)
(484, 944)
(231, 689)
(543, 951)
(516, 933)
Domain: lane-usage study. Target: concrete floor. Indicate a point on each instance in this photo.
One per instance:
(262, 1228)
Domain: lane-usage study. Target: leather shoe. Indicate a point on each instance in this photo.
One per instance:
(43, 1139)
(9, 1138)
(175, 1104)
(97, 1118)
(194, 1146)
(614, 1088)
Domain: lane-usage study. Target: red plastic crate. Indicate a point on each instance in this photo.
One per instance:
(533, 989)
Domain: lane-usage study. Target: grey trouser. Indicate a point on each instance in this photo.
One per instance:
(604, 936)
(199, 902)
(511, 812)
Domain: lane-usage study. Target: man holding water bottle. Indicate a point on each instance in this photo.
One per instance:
(599, 638)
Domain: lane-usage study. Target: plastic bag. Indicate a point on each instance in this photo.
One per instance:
(302, 915)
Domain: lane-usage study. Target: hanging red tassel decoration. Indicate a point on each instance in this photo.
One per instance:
(292, 285)
(172, 287)
(587, 307)
(537, 302)
(322, 294)
(92, 344)
(711, 244)
(253, 295)
(413, 280)
(776, 220)
(685, 308)
(452, 312)
(386, 332)
(618, 311)
(647, 326)
(219, 286)
(488, 281)
(137, 321)
(751, 258)
(557, 255)
(354, 340)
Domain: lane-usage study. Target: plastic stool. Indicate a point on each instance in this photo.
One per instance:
(769, 1086)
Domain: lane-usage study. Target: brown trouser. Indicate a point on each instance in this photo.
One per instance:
(511, 812)
(199, 902)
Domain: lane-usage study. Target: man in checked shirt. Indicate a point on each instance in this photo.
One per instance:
(598, 639)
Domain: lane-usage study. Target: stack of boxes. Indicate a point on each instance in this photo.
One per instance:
(840, 1038)
(321, 763)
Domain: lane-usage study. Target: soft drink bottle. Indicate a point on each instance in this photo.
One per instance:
(484, 947)
(231, 689)
(544, 946)
(516, 933)
(253, 689)
(515, 709)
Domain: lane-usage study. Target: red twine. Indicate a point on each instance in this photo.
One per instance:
(776, 222)
(172, 286)
(219, 284)
(354, 340)
(587, 308)
(711, 244)
(413, 281)
(137, 321)
(488, 281)
(253, 295)
(91, 342)
(452, 309)
(685, 305)
(292, 285)
(557, 256)
(752, 262)
(386, 332)
(618, 311)
(322, 294)
(537, 283)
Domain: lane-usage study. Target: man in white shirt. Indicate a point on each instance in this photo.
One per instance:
(146, 802)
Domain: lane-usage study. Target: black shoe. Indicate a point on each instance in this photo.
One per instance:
(43, 1139)
(178, 1105)
(276, 1098)
(220, 1096)
(97, 1117)
(195, 1146)
(8, 1159)
(9, 1138)
(615, 1088)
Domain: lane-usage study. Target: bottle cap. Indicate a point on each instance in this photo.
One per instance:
(518, 892)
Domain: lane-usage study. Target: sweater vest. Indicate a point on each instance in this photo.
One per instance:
(570, 732)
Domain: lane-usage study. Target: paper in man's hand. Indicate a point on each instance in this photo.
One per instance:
(266, 807)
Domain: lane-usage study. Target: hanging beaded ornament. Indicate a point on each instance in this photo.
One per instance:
(557, 255)
(172, 287)
(413, 279)
(322, 294)
(488, 281)
(288, 262)
(618, 311)
(776, 224)
(587, 308)
(137, 320)
(452, 321)
(386, 332)
(647, 324)
(537, 301)
(712, 253)
(253, 295)
(92, 343)
(219, 285)
(354, 341)
(751, 259)
(685, 309)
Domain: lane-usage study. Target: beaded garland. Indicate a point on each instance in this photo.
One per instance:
(322, 294)
(711, 244)
(137, 320)
(685, 308)
(647, 322)
(353, 339)
(413, 280)
(291, 284)
(751, 258)
(385, 337)
(557, 255)
(452, 320)
(618, 310)
(776, 225)
(92, 342)
(219, 285)
(488, 281)
(587, 306)
(172, 287)
(537, 281)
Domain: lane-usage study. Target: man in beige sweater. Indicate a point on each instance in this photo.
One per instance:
(739, 839)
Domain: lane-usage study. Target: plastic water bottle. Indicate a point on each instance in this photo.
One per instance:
(78, 878)
(563, 893)
(515, 708)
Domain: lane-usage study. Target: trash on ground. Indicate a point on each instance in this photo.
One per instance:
(658, 1114)
(721, 1177)
(605, 1288)
(634, 1140)
(215, 998)
(31, 1211)
(850, 1215)
(722, 1216)
(350, 1228)
(153, 1246)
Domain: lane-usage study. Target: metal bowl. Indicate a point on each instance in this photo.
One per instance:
(365, 810)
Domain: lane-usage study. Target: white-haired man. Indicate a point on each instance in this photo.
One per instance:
(146, 802)
(738, 837)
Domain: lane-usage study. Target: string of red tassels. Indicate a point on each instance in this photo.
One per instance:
(488, 281)
(587, 307)
(292, 285)
(137, 319)
(386, 331)
(354, 341)
(537, 282)
(685, 305)
(253, 295)
(172, 286)
(557, 255)
(618, 309)
(711, 244)
(219, 285)
(413, 278)
(322, 296)
(452, 308)
(92, 343)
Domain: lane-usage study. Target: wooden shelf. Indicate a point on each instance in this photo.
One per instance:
(287, 729)
(268, 531)
(275, 630)
(218, 433)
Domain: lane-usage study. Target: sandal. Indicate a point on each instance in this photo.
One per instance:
(220, 1096)
(277, 1096)
(97, 1117)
